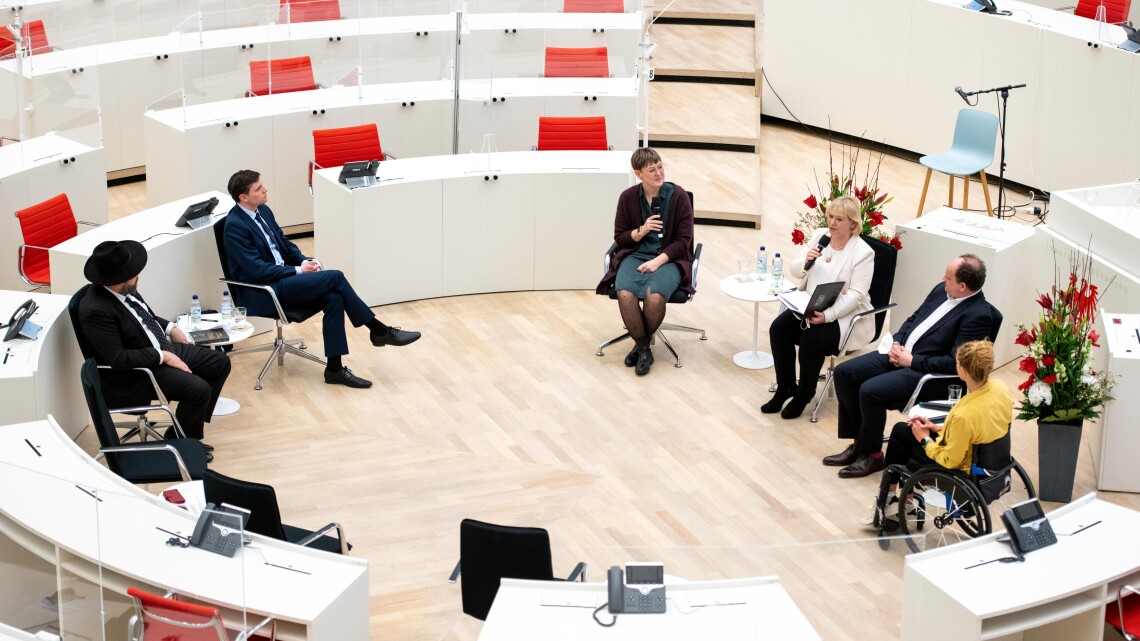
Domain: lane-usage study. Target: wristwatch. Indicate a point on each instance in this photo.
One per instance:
(927, 440)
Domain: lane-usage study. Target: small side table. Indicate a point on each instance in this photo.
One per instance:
(225, 406)
(755, 291)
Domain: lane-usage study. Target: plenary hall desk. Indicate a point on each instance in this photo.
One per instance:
(729, 610)
(1057, 594)
(50, 510)
(472, 223)
(181, 261)
(198, 148)
(40, 377)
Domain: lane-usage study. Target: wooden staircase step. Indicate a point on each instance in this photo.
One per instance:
(704, 51)
(725, 184)
(710, 114)
(708, 9)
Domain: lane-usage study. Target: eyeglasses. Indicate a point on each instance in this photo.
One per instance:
(659, 168)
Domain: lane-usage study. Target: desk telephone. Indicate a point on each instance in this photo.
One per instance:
(1028, 528)
(19, 326)
(220, 529)
(359, 174)
(641, 590)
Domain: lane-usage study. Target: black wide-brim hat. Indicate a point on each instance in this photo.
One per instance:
(115, 261)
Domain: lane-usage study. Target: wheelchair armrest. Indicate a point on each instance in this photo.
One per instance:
(858, 317)
(455, 573)
(579, 573)
(922, 381)
(148, 447)
(325, 530)
(266, 288)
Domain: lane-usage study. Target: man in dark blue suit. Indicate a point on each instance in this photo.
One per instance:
(258, 252)
(953, 313)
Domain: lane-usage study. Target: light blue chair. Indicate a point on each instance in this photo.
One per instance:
(971, 153)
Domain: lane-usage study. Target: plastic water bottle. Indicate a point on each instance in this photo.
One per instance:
(762, 263)
(227, 306)
(777, 271)
(195, 312)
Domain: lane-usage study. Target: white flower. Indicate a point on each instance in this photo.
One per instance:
(1088, 380)
(1040, 394)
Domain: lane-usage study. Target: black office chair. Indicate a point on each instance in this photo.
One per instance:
(167, 461)
(280, 346)
(937, 386)
(264, 515)
(489, 553)
(678, 298)
(142, 427)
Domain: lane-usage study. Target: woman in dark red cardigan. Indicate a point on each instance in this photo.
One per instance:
(653, 231)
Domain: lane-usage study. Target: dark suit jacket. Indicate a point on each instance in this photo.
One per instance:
(250, 260)
(972, 319)
(117, 339)
(676, 240)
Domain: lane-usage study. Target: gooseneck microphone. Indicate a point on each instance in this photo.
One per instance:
(824, 241)
(965, 98)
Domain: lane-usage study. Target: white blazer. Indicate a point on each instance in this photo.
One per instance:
(855, 270)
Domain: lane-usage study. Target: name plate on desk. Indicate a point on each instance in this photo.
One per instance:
(571, 599)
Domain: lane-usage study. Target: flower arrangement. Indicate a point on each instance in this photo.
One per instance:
(871, 200)
(1061, 386)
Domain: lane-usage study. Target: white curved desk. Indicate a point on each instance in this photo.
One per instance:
(112, 541)
(472, 223)
(33, 171)
(194, 150)
(41, 377)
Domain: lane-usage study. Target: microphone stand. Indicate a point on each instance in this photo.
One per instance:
(1004, 93)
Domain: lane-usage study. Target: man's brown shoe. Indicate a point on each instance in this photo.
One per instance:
(846, 457)
(865, 465)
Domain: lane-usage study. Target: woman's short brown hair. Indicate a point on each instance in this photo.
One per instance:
(977, 358)
(644, 157)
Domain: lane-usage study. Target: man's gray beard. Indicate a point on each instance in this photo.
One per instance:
(130, 290)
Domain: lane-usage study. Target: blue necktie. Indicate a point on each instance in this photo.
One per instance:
(269, 236)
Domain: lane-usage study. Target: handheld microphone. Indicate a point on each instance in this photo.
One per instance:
(824, 241)
(965, 98)
(656, 207)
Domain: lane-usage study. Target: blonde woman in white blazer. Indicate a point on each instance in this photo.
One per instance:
(847, 258)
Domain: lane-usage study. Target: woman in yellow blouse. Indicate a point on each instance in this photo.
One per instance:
(982, 416)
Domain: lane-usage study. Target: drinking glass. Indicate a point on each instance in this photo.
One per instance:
(955, 394)
(742, 267)
(239, 318)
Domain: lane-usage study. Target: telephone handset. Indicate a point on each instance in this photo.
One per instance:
(220, 529)
(640, 590)
(985, 6)
(19, 326)
(1028, 528)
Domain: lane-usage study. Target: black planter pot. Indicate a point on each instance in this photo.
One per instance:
(1057, 447)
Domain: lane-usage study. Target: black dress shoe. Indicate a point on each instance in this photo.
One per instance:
(631, 357)
(344, 376)
(394, 336)
(644, 361)
(865, 465)
(796, 407)
(209, 457)
(778, 399)
(844, 458)
(207, 447)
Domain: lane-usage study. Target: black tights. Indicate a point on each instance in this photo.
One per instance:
(641, 321)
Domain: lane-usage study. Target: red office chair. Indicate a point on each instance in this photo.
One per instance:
(44, 226)
(34, 30)
(593, 6)
(1116, 11)
(159, 618)
(310, 10)
(335, 147)
(280, 76)
(585, 62)
(564, 134)
(1127, 602)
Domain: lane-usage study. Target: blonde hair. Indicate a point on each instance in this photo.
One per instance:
(977, 359)
(849, 206)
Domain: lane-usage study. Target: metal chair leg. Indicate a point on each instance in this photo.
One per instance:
(606, 344)
(670, 346)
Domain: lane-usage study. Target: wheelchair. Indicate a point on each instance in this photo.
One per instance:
(949, 506)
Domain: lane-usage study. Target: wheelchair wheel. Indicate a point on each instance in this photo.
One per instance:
(1020, 489)
(947, 509)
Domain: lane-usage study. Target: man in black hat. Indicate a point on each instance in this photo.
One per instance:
(124, 333)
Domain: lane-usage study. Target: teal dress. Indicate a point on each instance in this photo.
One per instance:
(667, 278)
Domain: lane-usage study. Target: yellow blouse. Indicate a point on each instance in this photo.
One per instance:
(982, 416)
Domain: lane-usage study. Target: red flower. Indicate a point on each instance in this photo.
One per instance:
(1045, 302)
(875, 218)
(1050, 379)
(896, 243)
(1026, 385)
(1094, 337)
(1026, 338)
(1028, 364)
(811, 202)
(797, 237)
(1048, 360)
(860, 193)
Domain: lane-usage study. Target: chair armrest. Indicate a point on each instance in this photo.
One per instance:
(325, 530)
(1120, 602)
(455, 573)
(922, 381)
(162, 406)
(390, 156)
(88, 223)
(697, 262)
(150, 447)
(858, 317)
(579, 573)
(23, 247)
(266, 288)
(250, 633)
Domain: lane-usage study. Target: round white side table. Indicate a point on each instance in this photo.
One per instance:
(755, 292)
(225, 406)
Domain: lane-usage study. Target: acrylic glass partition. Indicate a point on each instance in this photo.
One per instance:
(539, 6)
(73, 555)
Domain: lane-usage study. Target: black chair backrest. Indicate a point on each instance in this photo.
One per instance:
(97, 407)
(73, 312)
(882, 279)
(491, 552)
(258, 498)
(994, 457)
(220, 241)
(996, 327)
